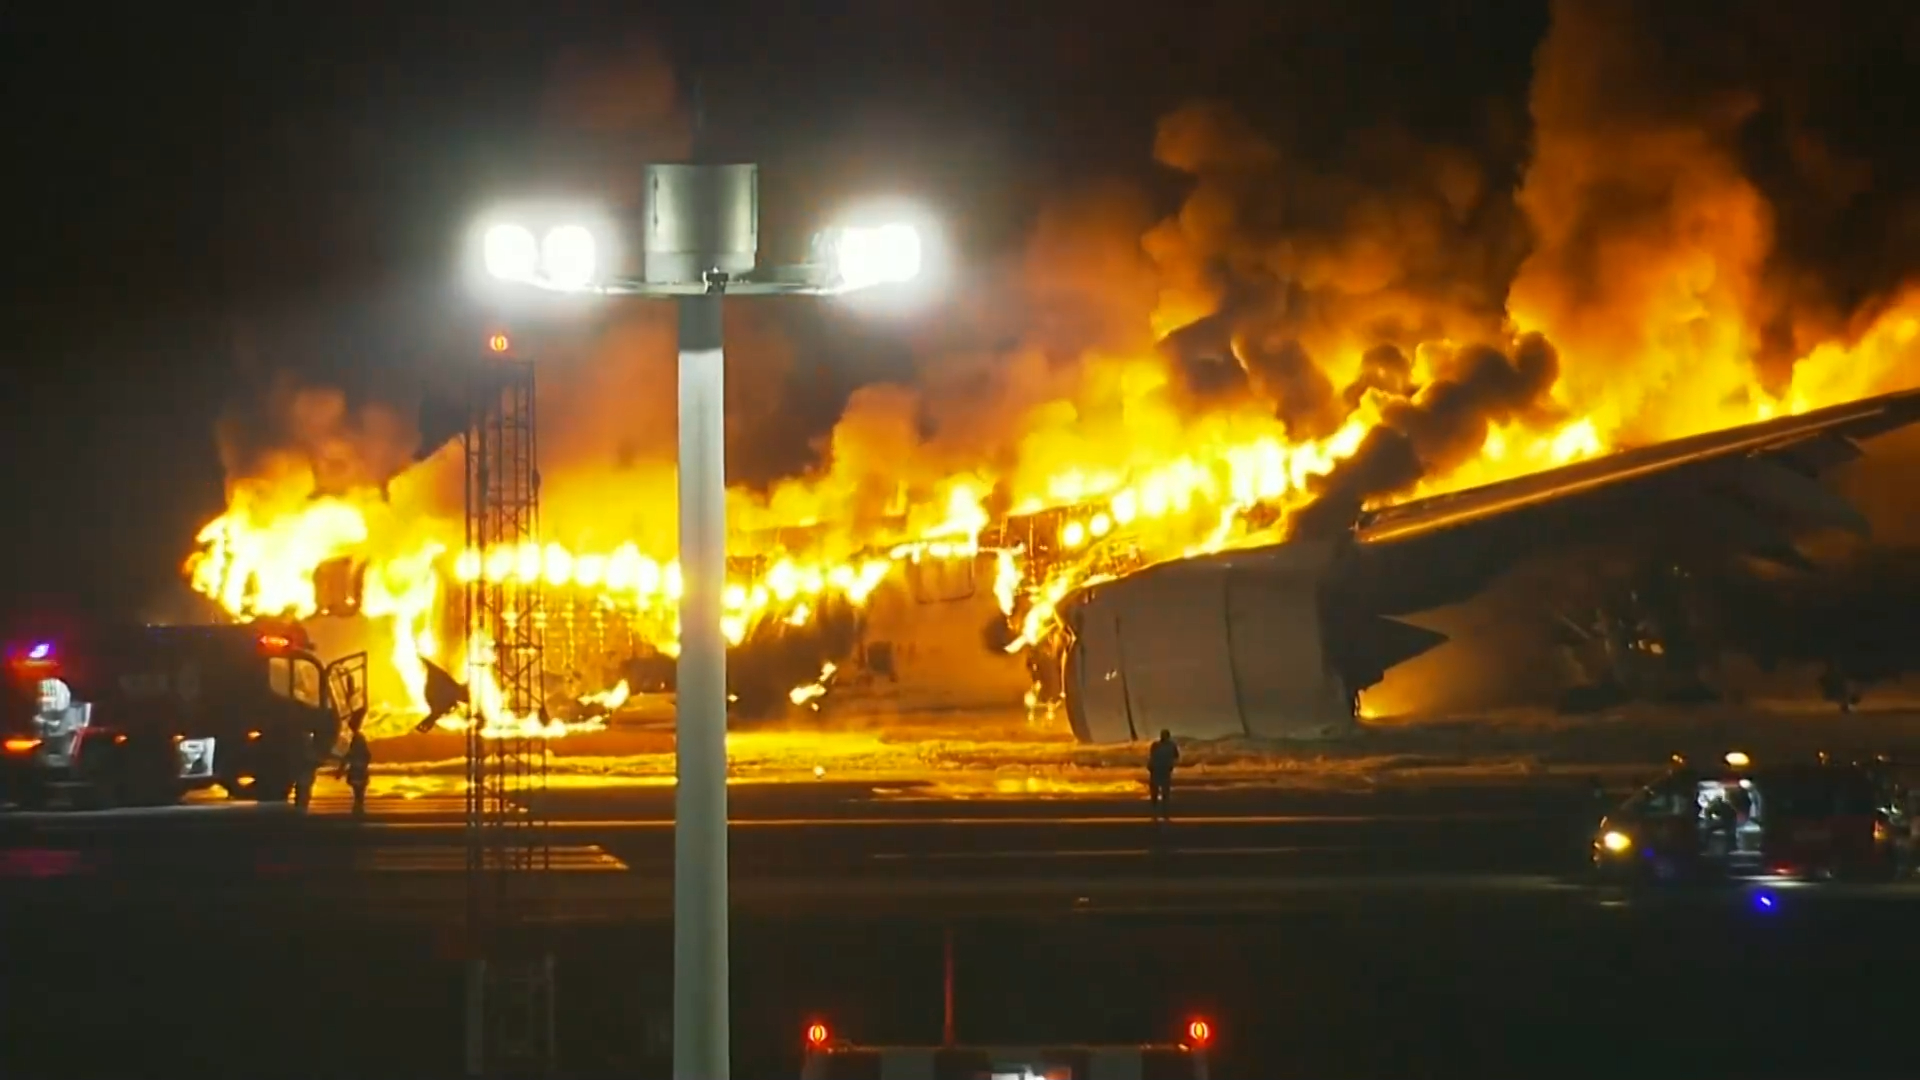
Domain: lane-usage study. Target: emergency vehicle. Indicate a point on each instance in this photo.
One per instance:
(828, 1058)
(1812, 820)
(142, 715)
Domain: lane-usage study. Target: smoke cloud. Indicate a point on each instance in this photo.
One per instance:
(1648, 239)
(314, 431)
(611, 110)
(1303, 272)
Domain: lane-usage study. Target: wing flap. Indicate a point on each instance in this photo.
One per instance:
(1796, 497)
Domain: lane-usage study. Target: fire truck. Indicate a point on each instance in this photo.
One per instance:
(142, 715)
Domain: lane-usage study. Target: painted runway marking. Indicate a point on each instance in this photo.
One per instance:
(214, 806)
(1011, 822)
(567, 858)
(423, 806)
(1098, 853)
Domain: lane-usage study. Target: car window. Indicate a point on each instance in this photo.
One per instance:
(1664, 798)
(306, 682)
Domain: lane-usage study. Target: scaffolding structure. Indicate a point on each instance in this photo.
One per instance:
(510, 1000)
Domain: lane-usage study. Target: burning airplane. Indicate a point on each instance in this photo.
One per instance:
(1184, 601)
(1202, 470)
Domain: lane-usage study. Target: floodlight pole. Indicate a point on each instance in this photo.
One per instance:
(701, 229)
(701, 239)
(700, 905)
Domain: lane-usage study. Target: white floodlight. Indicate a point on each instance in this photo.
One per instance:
(568, 259)
(510, 253)
(865, 256)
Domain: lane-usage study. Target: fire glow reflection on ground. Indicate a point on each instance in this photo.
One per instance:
(987, 757)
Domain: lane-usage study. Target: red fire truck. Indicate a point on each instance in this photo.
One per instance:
(141, 715)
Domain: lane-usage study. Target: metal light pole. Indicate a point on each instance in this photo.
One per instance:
(700, 975)
(700, 241)
(702, 228)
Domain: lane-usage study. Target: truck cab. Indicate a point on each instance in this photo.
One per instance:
(143, 715)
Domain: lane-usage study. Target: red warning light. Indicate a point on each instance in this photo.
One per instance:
(275, 642)
(1199, 1032)
(816, 1034)
(498, 343)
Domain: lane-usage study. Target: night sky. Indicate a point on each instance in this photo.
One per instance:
(204, 199)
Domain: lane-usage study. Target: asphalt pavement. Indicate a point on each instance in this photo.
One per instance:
(1436, 932)
(607, 854)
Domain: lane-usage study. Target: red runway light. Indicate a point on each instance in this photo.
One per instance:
(499, 343)
(816, 1034)
(1199, 1032)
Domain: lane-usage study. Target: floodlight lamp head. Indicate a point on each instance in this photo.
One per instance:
(554, 250)
(863, 256)
(510, 253)
(568, 257)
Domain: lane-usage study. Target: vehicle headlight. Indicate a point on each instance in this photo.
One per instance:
(1616, 841)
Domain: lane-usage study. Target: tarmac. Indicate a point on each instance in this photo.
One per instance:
(1433, 932)
(607, 855)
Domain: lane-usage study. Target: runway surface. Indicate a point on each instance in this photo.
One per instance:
(609, 855)
(1432, 933)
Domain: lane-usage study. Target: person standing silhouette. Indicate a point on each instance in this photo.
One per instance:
(355, 765)
(1161, 759)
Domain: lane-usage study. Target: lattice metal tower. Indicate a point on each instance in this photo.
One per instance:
(510, 973)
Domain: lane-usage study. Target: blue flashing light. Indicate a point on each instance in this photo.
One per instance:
(40, 651)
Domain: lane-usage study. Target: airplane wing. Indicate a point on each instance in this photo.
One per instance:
(1740, 491)
(1803, 445)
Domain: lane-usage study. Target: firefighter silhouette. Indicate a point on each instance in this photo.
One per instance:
(305, 755)
(1161, 759)
(355, 766)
